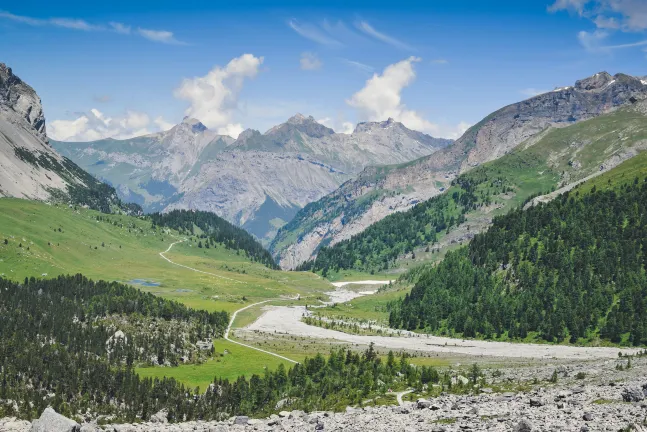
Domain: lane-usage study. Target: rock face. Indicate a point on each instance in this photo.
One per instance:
(29, 167)
(258, 181)
(51, 421)
(377, 192)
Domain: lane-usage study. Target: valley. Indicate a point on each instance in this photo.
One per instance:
(248, 281)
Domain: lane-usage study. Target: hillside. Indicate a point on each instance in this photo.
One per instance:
(562, 156)
(381, 191)
(29, 167)
(39, 239)
(569, 270)
(258, 181)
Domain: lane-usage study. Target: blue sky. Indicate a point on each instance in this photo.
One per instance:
(129, 68)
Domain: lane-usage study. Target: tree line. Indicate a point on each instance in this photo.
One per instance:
(570, 270)
(53, 352)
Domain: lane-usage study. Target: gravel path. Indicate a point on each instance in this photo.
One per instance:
(287, 320)
(191, 268)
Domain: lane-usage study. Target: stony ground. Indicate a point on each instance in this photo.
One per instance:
(590, 396)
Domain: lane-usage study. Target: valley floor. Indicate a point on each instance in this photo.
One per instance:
(283, 320)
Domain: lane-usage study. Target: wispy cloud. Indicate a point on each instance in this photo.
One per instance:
(361, 66)
(313, 33)
(594, 42)
(162, 36)
(440, 61)
(309, 61)
(531, 92)
(371, 31)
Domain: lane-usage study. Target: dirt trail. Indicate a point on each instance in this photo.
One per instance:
(191, 268)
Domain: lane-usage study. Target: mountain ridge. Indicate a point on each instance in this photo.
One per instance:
(258, 181)
(378, 192)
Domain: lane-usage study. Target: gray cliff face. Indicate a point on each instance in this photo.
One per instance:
(379, 191)
(29, 167)
(20, 98)
(259, 180)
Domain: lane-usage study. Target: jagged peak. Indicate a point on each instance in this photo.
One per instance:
(368, 126)
(195, 124)
(246, 134)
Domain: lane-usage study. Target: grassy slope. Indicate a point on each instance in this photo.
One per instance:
(126, 256)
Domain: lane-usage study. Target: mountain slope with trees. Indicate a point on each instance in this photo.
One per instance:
(562, 156)
(570, 270)
(380, 191)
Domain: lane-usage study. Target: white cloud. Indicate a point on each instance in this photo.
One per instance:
(314, 33)
(371, 31)
(309, 61)
(120, 28)
(530, 92)
(162, 124)
(162, 36)
(338, 125)
(627, 15)
(95, 125)
(214, 97)
(381, 98)
(233, 130)
(592, 41)
(573, 5)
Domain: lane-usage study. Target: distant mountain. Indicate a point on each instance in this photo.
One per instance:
(260, 180)
(380, 191)
(29, 167)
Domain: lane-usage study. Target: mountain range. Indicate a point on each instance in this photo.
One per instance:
(259, 180)
(380, 191)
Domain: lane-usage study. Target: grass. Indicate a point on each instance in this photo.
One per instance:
(60, 240)
(237, 362)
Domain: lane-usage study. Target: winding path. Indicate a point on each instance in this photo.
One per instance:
(399, 395)
(191, 268)
(233, 316)
(231, 322)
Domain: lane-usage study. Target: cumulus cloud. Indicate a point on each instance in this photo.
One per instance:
(95, 125)
(310, 61)
(233, 130)
(381, 98)
(338, 125)
(213, 98)
(162, 36)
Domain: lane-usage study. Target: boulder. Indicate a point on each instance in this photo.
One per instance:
(633, 394)
(423, 403)
(160, 417)
(588, 416)
(523, 426)
(284, 414)
(241, 420)
(536, 402)
(51, 421)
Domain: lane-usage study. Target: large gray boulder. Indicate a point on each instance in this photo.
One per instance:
(51, 421)
(632, 394)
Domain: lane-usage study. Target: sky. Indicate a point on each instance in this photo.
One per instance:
(122, 69)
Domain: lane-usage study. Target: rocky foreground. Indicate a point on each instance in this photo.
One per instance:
(598, 396)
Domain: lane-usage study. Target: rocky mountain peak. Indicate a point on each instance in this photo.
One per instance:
(307, 125)
(20, 98)
(247, 134)
(371, 126)
(195, 124)
(595, 82)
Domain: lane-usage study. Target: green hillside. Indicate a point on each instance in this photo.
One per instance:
(39, 239)
(570, 270)
(561, 156)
